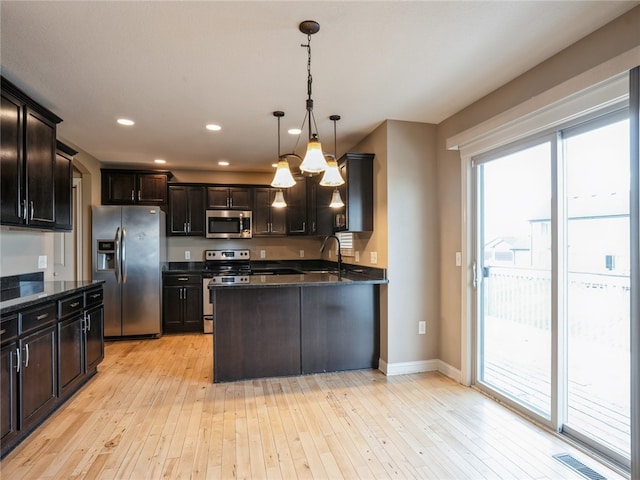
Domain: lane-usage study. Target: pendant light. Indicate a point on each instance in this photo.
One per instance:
(336, 199)
(278, 201)
(283, 177)
(332, 177)
(314, 161)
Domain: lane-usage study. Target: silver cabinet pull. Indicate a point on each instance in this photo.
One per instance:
(133, 197)
(88, 322)
(32, 210)
(74, 304)
(3, 331)
(42, 316)
(183, 279)
(17, 360)
(139, 195)
(95, 295)
(26, 351)
(184, 227)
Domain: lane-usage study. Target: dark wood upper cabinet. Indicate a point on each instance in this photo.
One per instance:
(134, 187)
(28, 160)
(229, 197)
(186, 210)
(267, 220)
(299, 221)
(63, 187)
(357, 193)
(11, 160)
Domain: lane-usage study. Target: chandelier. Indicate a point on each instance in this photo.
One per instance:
(315, 160)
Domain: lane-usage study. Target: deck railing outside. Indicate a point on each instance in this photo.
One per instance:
(517, 304)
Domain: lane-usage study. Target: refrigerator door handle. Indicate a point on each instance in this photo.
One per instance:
(123, 256)
(116, 268)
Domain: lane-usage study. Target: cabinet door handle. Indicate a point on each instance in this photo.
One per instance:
(95, 295)
(133, 197)
(183, 279)
(17, 360)
(32, 210)
(3, 331)
(42, 316)
(184, 296)
(304, 226)
(139, 195)
(74, 304)
(88, 322)
(26, 355)
(184, 227)
(189, 227)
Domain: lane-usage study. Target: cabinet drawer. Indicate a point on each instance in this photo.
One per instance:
(185, 279)
(8, 328)
(93, 297)
(70, 306)
(37, 317)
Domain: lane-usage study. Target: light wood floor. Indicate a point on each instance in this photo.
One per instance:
(152, 412)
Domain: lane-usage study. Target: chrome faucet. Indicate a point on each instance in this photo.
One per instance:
(339, 253)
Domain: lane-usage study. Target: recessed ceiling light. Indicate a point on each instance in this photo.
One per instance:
(214, 127)
(223, 163)
(125, 121)
(159, 160)
(294, 131)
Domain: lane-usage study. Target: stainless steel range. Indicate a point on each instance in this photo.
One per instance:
(222, 267)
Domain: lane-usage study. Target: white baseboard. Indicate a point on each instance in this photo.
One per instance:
(436, 365)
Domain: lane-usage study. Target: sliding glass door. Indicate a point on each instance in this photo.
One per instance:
(553, 280)
(598, 284)
(513, 274)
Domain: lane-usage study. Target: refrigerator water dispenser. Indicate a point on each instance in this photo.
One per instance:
(106, 255)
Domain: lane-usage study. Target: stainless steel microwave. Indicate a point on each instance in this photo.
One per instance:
(228, 224)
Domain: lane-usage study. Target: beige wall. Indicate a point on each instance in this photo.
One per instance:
(405, 238)
(612, 40)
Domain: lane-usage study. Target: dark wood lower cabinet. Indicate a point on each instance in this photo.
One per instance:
(70, 336)
(9, 392)
(38, 375)
(340, 328)
(267, 332)
(182, 303)
(48, 351)
(256, 333)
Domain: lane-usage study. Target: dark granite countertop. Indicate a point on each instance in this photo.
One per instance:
(306, 279)
(45, 291)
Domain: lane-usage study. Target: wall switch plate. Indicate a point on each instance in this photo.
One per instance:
(458, 259)
(301, 253)
(187, 255)
(374, 258)
(357, 256)
(263, 254)
(422, 327)
(42, 261)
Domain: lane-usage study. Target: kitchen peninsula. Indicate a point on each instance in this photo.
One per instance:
(308, 322)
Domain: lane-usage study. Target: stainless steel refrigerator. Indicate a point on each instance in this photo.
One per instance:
(129, 248)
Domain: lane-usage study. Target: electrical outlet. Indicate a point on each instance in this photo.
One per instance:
(301, 253)
(263, 254)
(422, 327)
(42, 261)
(357, 256)
(374, 258)
(187, 255)
(458, 259)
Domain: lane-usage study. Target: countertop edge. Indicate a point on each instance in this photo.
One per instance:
(53, 291)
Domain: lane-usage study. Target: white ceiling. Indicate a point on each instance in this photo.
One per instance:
(175, 66)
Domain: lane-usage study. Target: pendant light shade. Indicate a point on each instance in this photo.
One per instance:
(332, 177)
(278, 201)
(336, 200)
(314, 161)
(283, 177)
